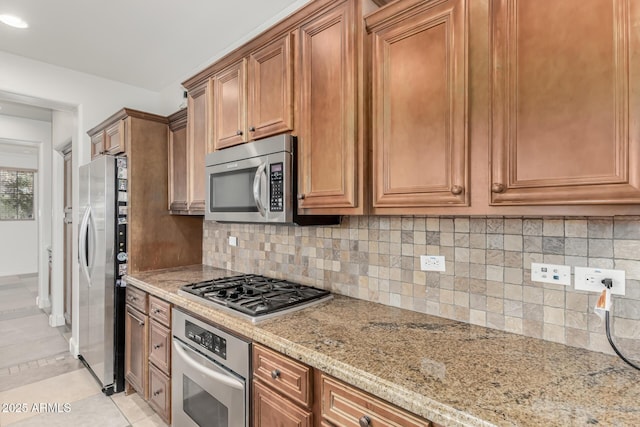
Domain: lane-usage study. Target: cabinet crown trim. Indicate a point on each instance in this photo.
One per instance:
(124, 113)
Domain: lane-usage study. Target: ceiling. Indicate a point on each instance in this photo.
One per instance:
(146, 43)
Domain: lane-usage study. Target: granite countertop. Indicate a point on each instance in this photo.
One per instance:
(449, 372)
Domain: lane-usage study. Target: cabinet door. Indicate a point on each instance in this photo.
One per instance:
(270, 87)
(97, 145)
(198, 143)
(136, 351)
(420, 106)
(329, 155)
(115, 138)
(272, 410)
(178, 164)
(565, 84)
(230, 106)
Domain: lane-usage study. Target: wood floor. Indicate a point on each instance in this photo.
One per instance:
(41, 383)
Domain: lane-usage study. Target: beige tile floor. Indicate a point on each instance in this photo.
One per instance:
(41, 384)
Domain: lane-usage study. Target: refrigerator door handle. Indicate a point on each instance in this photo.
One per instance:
(83, 255)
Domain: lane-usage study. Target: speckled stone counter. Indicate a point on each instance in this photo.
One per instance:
(449, 372)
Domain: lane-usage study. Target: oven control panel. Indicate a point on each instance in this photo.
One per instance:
(206, 339)
(276, 185)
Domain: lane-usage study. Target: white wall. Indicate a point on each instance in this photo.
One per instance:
(22, 249)
(90, 99)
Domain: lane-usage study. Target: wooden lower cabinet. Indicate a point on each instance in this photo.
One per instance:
(136, 351)
(270, 409)
(345, 405)
(160, 392)
(148, 350)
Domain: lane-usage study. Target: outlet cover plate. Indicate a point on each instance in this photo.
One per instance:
(233, 241)
(551, 273)
(432, 263)
(590, 279)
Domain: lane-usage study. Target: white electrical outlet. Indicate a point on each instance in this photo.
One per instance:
(233, 241)
(432, 263)
(590, 279)
(551, 273)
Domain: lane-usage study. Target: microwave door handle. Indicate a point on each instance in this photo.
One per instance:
(256, 189)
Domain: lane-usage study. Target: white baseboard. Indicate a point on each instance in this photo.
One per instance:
(57, 320)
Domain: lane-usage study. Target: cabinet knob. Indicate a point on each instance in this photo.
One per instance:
(140, 323)
(238, 132)
(496, 187)
(156, 310)
(275, 374)
(300, 196)
(364, 421)
(252, 129)
(157, 392)
(457, 189)
(157, 346)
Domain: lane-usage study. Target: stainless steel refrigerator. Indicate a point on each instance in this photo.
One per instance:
(103, 261)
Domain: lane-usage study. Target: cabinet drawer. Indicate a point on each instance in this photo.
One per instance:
(160, 393)
(137, 299)
(291, 378)
(271, 409)
(160, 310)
(160, 346)
(344, 405)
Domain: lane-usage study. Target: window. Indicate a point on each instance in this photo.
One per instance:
(16, 194)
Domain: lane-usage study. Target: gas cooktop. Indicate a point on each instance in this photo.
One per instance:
(254, 296)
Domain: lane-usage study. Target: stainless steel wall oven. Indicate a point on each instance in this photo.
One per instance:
(210, 375)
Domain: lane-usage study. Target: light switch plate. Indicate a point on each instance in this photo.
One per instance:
(590, 279)
(551, 273)
(432, 263)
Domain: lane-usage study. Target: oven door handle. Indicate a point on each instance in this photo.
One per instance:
(225, 379)
(257, 197)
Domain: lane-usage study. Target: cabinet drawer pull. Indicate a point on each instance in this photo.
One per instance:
(496, 187)
(300, 196)
(157, 346)
(140, 323)
(252, 129)
(238, 132)
(275, 374)
(157, 392)
(364, 421)
(156, 311)
(457, 189)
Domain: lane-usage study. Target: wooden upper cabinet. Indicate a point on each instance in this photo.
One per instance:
(97, 145)
(419, 105)
(178, 162)
(565, 103)
(115, 138)
(230, 106)
(270, 89)
(199, 135)
(330, 145)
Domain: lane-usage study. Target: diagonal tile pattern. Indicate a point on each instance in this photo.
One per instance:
(41, 383)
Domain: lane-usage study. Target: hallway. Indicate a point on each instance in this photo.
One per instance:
(41, 383)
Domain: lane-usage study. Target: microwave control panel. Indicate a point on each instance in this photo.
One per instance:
(276, 193)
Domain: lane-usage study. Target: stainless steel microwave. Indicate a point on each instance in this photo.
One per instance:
(256, 182)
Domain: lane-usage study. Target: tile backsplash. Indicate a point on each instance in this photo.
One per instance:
(487, 280)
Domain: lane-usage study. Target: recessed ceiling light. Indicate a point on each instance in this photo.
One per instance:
(13, 21)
